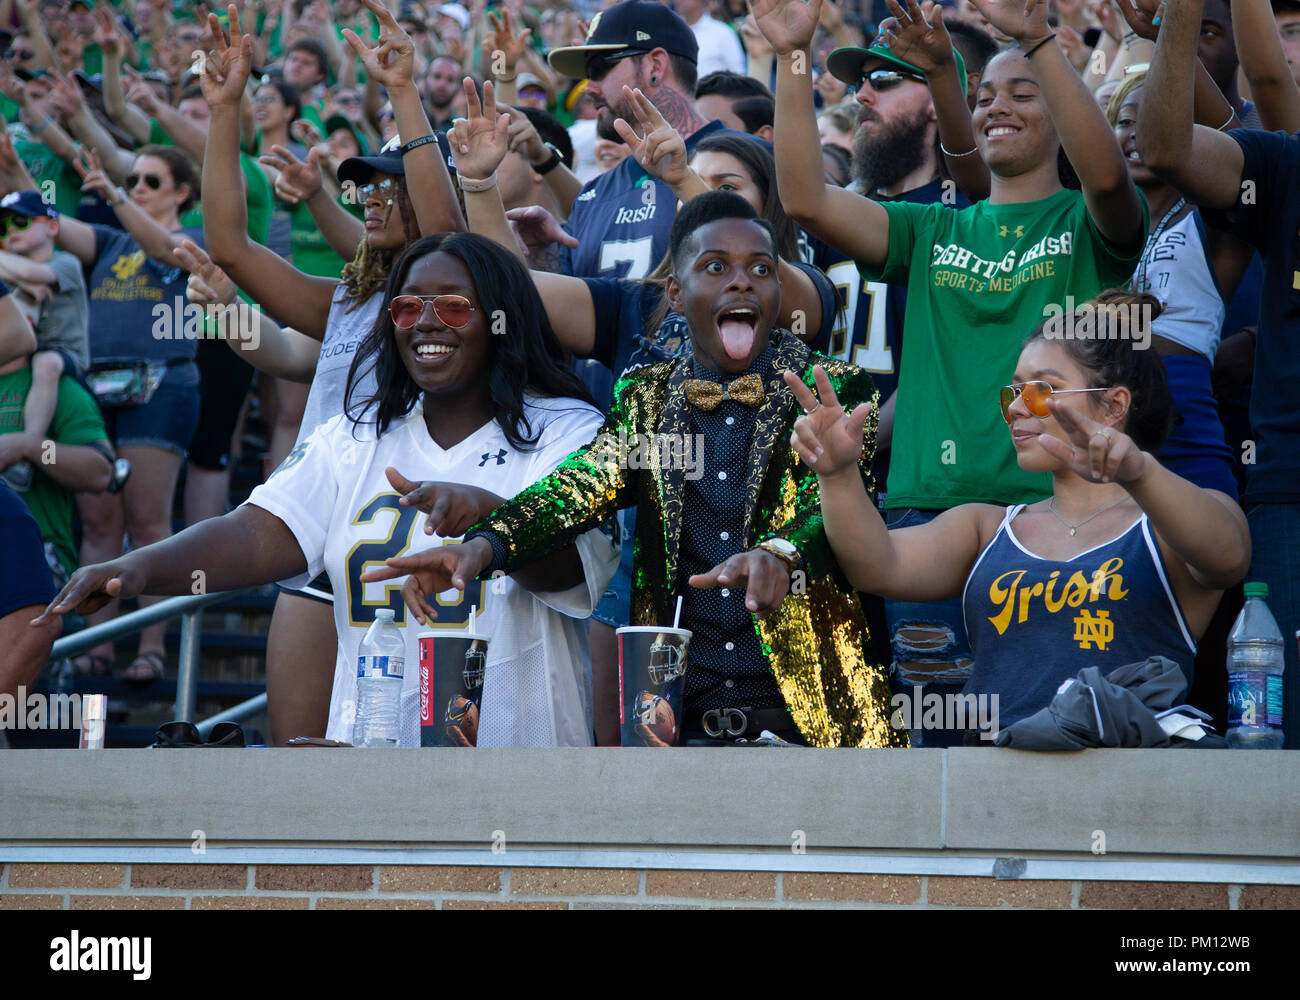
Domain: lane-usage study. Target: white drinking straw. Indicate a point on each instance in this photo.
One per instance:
(678, 617)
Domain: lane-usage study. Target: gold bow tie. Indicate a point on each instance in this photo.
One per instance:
(746, 390)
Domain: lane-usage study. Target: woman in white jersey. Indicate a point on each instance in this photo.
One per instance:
(405, 193)
(470, 393)
(1124, 560)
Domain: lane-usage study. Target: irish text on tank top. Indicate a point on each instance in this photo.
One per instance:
(1034, 623)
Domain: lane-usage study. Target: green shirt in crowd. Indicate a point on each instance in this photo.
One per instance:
(259, 193)
(46, 165)
(979, 280)
(76, 422)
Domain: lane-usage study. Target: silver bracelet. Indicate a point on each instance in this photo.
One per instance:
(472, 186)
(947, 152)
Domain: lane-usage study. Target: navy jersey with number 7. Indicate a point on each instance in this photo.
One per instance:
(622, 218)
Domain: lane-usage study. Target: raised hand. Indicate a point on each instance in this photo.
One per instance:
(91, 587)
(537, 229)
(1143, 16)
(827, 439)
(391, 60)
(503, 39)
(659, 148)
(432, 572)
(107, 35)
(756, 46)
(452, 507)
(1023, 20)
(480, 140)
(208, 284)
(524, 138)
(8, 155)
(297, 179)
(223, 73)
(1095, 452)
(141, 94)
(1104, 12)
(917, 34)
(766, 579)
(787, 24)
(66, 96)
(92, 175)
(1072, 44)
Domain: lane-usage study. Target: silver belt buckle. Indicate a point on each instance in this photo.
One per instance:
(716, 716)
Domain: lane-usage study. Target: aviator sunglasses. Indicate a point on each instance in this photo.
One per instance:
(1036, 395)
(152, 181)
(453, 311)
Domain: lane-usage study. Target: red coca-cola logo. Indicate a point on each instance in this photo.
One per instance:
(426, 682)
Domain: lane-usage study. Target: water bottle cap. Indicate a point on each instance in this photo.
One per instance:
(384, 614)
(1256, 590)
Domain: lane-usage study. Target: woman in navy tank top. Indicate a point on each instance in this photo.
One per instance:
(1124, 561)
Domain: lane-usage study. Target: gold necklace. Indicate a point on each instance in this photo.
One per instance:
(1051, 505)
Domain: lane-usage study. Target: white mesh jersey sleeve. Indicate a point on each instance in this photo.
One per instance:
(302, 493)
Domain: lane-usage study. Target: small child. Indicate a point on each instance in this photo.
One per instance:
(50, 289)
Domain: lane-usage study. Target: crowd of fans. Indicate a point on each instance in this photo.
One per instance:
(1090, 202)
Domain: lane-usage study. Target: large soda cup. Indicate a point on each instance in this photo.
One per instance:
(451, 687)
(651, 679)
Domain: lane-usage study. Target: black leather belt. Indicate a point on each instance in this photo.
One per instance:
(735, 722)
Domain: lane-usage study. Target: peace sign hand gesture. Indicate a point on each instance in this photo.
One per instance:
(828, 440)
(480, 140)
(223, 73)
(391, 60)
(659, 149)
(1096, 452)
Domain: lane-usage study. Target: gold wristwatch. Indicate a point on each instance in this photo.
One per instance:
(783, 550)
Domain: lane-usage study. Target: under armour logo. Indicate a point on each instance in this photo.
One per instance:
(1004, 231)
(500, 456)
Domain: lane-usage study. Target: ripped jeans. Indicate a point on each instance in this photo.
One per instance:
(931, 653)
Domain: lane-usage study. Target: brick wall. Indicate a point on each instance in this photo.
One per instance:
(326, 887)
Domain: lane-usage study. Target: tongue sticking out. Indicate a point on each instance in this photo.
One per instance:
(737, 337)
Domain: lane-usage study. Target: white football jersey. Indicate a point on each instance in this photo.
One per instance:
(332, 494)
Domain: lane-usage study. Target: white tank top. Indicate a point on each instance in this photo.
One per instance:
(1176, 269)
(344, 331)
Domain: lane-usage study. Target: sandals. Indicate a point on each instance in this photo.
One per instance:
(99, 666)
(146, 668)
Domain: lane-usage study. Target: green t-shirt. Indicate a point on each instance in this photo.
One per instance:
(47, 166)
(76, 421)
(979, 280)
(312, 254)
(258, 197)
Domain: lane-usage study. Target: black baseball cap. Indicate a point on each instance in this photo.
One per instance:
(28, 203)
(388, 160)
(639, 25)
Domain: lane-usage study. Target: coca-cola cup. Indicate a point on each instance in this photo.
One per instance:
(451, 687)
(651, 679)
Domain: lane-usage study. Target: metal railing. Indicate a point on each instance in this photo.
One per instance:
(190, 611)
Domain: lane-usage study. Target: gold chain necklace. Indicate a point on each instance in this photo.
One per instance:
(1051, 505)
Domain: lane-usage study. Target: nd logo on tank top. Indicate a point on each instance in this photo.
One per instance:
(1021, 592)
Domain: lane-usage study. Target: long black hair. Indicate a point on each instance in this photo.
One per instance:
(524, 354)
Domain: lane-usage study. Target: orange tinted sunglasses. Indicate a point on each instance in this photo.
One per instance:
(1036, 394)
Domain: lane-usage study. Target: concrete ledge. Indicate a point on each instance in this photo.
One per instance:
(1222, 805)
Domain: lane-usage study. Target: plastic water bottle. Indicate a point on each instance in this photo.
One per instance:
(380, 665)
(1255, 660)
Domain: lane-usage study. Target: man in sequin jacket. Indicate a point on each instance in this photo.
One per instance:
(701, 446)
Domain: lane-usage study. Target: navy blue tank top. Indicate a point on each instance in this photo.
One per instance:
(1034, 623)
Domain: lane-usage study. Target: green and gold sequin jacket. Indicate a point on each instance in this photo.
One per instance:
(815, 641)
